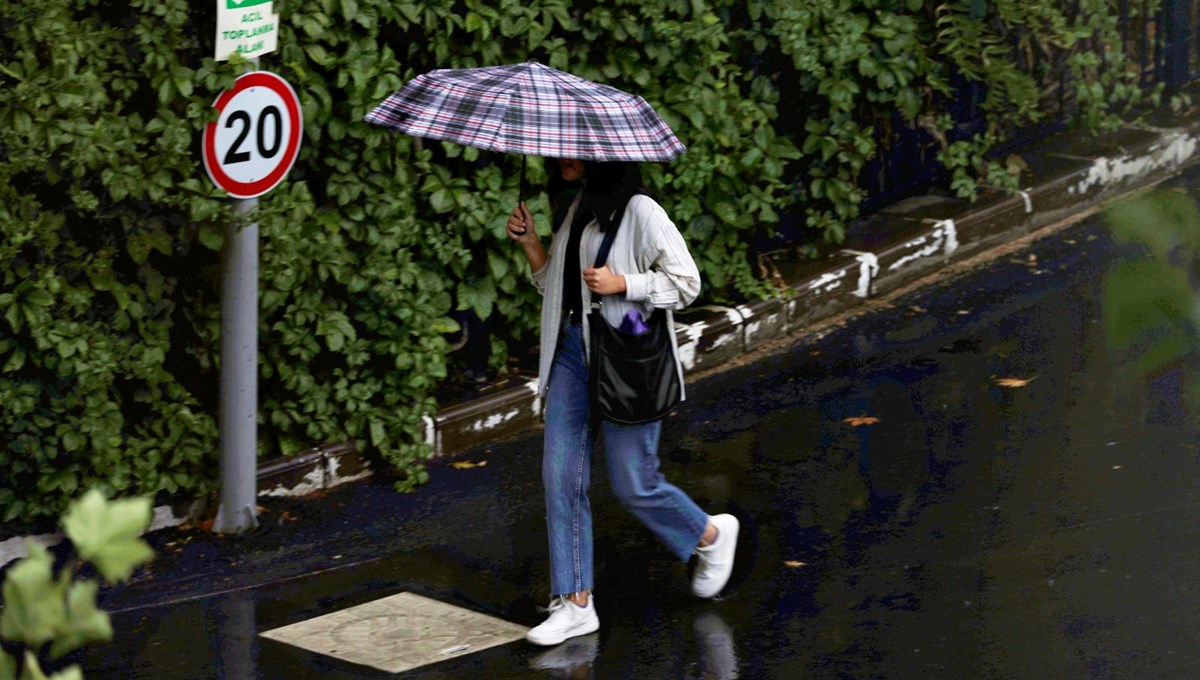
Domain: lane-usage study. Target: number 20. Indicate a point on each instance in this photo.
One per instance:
(234, 155)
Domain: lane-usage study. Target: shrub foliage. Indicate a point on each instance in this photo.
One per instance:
(109, 305)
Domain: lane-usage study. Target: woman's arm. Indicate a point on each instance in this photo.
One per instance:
(672, 280)
(520, 229)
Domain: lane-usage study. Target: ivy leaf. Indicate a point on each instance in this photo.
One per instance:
(211, 237)
(34, 602)
(410, 11)
(498, 265)
(85, 622)
(107, 534)
(442, 200)
(33, 670)
(8, 666)
(444, 325)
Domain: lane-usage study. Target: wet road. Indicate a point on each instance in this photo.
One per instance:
(974, 531)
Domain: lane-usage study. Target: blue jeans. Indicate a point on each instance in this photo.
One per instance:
(632, 455)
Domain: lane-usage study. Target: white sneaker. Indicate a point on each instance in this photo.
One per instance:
(566, 620)
(716, 560)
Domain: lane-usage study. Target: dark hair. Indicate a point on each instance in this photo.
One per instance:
(609, 187)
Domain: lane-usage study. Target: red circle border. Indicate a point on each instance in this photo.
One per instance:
(219, 177)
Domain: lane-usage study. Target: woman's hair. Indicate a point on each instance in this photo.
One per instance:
(609, 187)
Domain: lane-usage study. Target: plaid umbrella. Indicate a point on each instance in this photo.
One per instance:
(529, 109)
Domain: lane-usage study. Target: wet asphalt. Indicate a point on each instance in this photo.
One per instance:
(973, 531)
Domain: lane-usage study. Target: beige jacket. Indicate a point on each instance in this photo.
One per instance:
(648, 250)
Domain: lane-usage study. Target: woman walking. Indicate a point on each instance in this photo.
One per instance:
(649, 270)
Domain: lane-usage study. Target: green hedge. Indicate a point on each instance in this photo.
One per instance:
(857, 71)
(109, 306)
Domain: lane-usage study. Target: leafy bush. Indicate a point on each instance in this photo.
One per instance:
(109, 305)
(853, 71)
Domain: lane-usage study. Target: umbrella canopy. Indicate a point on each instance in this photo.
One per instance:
(529, 109)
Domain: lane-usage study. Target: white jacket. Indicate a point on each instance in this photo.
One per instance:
(651, 254)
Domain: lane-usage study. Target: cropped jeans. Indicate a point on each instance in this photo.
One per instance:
(632, 455)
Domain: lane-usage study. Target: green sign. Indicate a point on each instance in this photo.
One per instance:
(246, 27)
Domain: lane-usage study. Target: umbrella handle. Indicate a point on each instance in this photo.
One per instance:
(521, 189)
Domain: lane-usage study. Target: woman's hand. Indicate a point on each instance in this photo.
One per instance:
(602, 281)
(520, 224)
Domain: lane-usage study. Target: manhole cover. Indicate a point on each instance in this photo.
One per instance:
(399, 633)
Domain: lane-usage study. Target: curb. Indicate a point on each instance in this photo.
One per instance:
(885, 251)
(311, 470)
(1073, 173)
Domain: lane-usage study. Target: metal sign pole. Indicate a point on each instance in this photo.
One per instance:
(238, 511)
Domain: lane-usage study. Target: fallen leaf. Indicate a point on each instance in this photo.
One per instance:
(466, 465)
(1012, 382)
(964, 312)
(1015, 165)
(793, 564)
(855, 421)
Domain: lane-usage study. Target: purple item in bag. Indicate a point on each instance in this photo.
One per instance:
(633, 323)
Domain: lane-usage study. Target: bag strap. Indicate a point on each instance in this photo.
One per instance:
(606, 245)
(602, 257)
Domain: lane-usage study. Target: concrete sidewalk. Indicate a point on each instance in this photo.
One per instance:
(1070, 175)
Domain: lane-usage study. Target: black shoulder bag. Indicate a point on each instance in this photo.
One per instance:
(632, 377)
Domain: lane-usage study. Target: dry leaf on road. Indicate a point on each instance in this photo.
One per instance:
(855, 421)
(466, 465)
(794, 564)
(1012, 382)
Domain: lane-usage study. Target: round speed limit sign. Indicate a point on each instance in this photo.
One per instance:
(254, 142)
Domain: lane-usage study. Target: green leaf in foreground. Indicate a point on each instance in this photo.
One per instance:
(34, 603)
(33, 671)
(107, 534)
(85, 622)
(8, 666)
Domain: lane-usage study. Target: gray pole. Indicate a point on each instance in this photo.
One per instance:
(238, 511)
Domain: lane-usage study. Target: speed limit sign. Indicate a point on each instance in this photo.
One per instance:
(256, 138)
